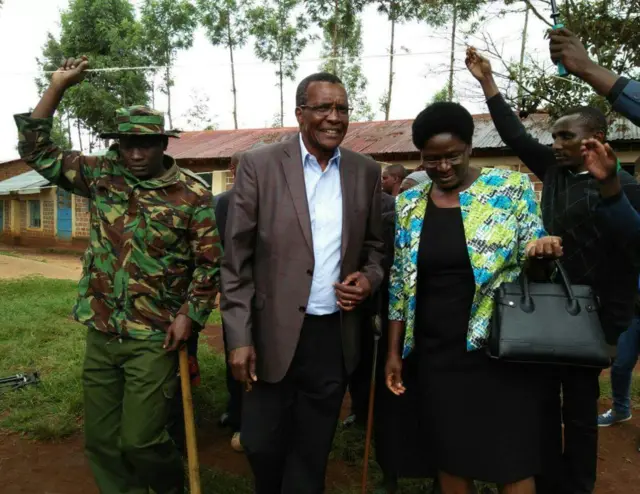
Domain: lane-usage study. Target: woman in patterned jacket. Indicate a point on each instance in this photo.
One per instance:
(458, 237)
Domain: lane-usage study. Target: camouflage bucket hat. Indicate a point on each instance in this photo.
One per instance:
(139, 120)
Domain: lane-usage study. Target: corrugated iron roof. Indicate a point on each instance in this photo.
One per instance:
(378, 138)
(25, 183)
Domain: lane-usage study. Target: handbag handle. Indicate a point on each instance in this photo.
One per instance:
(572, 306)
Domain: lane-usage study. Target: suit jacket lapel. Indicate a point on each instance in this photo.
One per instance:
(348, 184)
(294, 174)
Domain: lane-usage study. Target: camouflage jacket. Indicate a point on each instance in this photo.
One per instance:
(154, 249)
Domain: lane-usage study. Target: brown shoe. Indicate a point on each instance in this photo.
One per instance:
(236, 445)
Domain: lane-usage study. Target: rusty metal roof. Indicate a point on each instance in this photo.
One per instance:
(376, 138)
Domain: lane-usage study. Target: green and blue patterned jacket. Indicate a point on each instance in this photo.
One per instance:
(500, 216)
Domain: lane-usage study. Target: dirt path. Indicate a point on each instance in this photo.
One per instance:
(20, 263)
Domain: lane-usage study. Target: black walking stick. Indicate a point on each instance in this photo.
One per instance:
(557, 24)
(377, 333)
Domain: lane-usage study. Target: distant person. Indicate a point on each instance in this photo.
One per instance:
(232, 416)
(303, 253)
(392, 177)
(413, 179)
(150, 278)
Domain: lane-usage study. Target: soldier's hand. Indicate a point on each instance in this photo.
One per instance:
(178, 333)
(243, 364)
(70, 73)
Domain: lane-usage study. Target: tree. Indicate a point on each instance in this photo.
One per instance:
(442, 95)
(106, 32)
(227, 25)
(609, 30)
(280, 39)
(168, 27)
(341, 49)
(198, 115)
(398, 12)
(456, 12)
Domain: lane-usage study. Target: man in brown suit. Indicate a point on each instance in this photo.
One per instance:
(303, 251)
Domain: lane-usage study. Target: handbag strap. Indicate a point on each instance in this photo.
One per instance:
(572, 306)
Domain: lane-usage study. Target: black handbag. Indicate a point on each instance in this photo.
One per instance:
(547, 323)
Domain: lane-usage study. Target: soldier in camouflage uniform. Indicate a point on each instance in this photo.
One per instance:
(150, 278)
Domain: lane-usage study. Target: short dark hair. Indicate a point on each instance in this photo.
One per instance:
(397, 170)
(592, 117)
(440, 118)
(301, 92)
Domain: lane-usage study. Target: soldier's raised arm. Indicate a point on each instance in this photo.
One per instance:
(67, 169)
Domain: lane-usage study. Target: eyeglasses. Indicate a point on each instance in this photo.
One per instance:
(325, 110)
(451, 159)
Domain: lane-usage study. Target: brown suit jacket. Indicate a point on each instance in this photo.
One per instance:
(268, 263)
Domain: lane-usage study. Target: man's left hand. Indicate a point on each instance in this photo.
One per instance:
(352, 291)
(178, 333)
(599, 159)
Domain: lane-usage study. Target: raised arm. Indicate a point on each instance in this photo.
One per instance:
(565, 47)
(536, 156)
(67, 169)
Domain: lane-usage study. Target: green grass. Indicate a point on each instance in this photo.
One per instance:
(9, 253)
(39, 334)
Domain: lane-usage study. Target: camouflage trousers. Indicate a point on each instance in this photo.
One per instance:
(129, 387)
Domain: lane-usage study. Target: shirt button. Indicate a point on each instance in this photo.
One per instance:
(310, 272)
(302, 308)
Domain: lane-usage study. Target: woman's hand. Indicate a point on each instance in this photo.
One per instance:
(393, 373)
(544, 248)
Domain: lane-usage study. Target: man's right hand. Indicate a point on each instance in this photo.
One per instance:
(70, 73)
(243, 364)
(479, 66)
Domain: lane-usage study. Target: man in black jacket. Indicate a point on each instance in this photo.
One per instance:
(594, 255)
(231, 417)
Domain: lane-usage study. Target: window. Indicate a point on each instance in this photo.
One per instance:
(35, 219)
(207, 177)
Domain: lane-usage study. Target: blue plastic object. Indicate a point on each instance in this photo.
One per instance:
(562, 71)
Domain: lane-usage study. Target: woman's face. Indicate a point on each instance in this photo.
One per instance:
(445, 158)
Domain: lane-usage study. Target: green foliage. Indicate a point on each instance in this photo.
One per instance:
(341, 49)
(225, 22)
(280, 38)
(441, 96)
(106, 32)
(610, 30)
(59, 133)
(167, 27)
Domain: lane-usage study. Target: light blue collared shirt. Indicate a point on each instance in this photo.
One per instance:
(324, 196)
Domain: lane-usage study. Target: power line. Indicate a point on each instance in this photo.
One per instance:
(227, 64)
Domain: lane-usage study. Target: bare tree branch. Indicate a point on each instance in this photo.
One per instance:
(536, 13)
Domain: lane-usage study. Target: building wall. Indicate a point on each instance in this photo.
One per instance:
(13, 168)
(81, 217)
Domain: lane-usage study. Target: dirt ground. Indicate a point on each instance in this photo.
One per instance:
(24, 262)
(28, 467)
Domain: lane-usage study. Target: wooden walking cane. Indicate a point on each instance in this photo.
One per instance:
(189, 423)
(377, 332)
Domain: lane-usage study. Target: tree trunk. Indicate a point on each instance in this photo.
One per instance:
(387, 106)
(79, 134)
(233, 76)
(453, 49)
(281, 96)
(522, 50)
(153, 89)
(168, 84)
(334, 41)
(69, 129)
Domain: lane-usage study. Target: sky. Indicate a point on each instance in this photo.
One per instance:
(203, 71)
